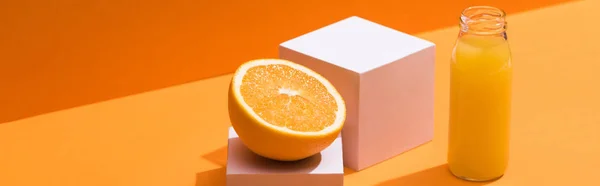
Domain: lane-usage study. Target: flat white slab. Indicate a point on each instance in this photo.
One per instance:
(245, 168)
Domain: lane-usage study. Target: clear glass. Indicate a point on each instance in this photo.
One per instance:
(480, 96)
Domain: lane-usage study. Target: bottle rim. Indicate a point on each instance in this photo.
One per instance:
(493, 16)
(467, 12)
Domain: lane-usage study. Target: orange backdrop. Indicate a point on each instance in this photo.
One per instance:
(60, 54)
(57, 54)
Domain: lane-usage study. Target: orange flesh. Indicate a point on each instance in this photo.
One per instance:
(286, 97)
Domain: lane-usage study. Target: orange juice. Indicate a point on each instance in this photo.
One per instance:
(480, 101)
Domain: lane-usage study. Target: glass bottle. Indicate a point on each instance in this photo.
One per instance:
(480, 96)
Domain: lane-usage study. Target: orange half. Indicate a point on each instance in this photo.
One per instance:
(284, 111)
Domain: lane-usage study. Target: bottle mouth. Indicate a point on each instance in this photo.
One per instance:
(483, 20)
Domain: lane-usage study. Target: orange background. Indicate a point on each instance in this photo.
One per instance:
(58, 54)
(57, 57)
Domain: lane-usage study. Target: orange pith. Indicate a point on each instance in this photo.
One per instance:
(286, 97)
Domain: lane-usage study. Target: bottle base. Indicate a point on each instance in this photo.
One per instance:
(475, 179)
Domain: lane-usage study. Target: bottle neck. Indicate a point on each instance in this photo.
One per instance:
(483, 21)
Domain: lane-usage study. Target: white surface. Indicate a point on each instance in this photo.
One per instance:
(357, 44)
(248, 169)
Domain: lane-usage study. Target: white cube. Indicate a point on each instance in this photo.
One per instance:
(386, 78)
(245, 168)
